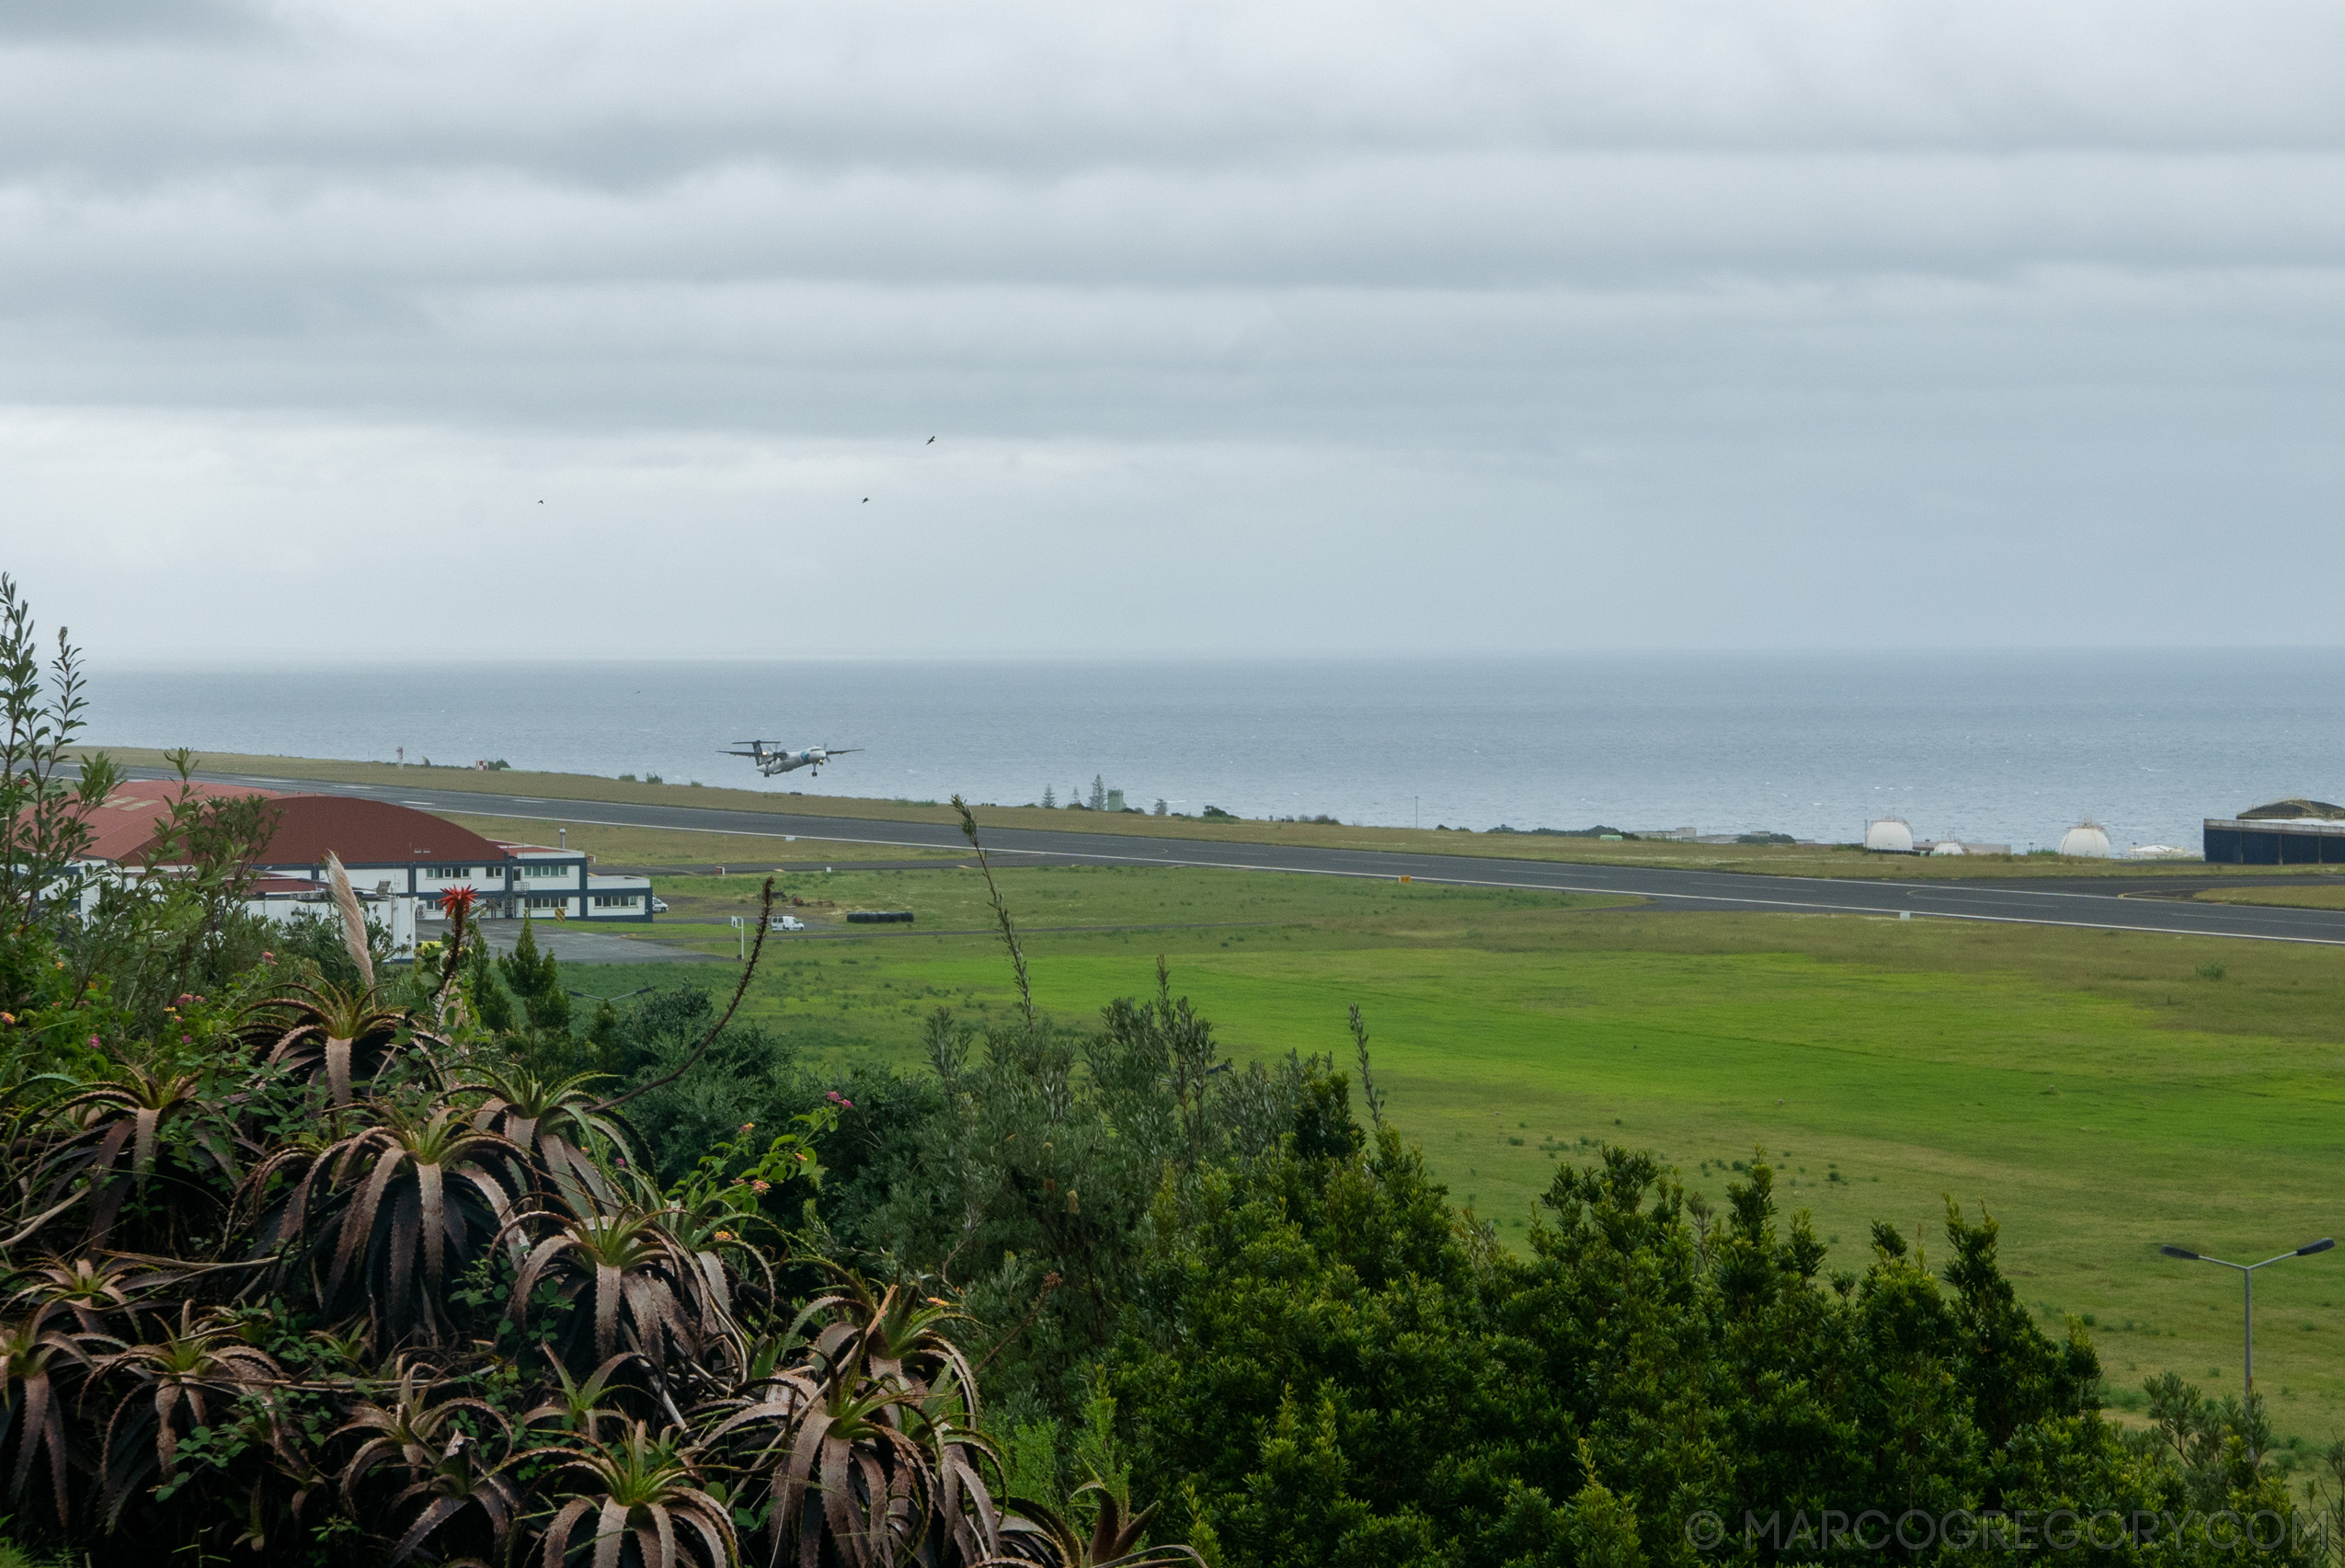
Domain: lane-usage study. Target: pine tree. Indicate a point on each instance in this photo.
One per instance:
(1098, 793)
(1049, 798)
(535, 978)
(490, 1004)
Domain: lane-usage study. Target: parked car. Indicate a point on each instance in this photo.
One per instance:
(658, 906)
(787, 922)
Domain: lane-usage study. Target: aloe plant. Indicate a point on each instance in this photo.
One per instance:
(376, 1218)
(559, 1123)
(445, 1468)
(579, 1405)
(328, 1032)
(870, 1440)
(174, 1381)
(641, 1289)
(649, 1503)
(1114, 1540)
(96, 1291)
(124, 1115)
(33, 1352)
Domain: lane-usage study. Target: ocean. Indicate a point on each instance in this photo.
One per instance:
(2010, 748)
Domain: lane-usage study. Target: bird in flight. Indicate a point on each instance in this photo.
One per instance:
(866, 501)
(931, 440)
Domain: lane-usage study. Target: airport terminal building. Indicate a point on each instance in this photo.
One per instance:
(396, 854)
(2287, 832)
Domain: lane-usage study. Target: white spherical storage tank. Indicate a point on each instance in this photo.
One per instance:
(2086, 840)
(1947, 846)
(1890, 835)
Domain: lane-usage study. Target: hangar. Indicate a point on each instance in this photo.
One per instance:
(2287, 832)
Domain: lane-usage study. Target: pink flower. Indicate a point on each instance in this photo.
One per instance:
(93, 1040)
(748, 1127)
(849, 1103)
(761, 1186)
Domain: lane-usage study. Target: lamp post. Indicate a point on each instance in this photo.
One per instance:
(2248, 1279)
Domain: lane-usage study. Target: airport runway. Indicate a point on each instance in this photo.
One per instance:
(2067, 904)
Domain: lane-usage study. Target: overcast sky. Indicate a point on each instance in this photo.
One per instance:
(584, 328)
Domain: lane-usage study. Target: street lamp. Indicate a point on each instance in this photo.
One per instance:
(2248, 1279)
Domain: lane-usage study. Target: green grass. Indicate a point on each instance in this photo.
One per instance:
(2315, 898)
(2097, 1092)
(953, 897)
(667, 849)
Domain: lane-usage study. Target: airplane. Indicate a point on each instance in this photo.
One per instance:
(771, 759)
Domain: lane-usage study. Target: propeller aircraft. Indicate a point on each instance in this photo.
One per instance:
(771, 757)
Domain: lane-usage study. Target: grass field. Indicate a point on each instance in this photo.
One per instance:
(2302, 897)
(1842, 861)
(2099, 1093)
(693, 851)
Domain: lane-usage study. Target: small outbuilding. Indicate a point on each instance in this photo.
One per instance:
(1889, 835)
(2085, 841)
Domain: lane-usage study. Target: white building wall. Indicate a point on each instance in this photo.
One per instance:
(480, 878)
(396, 914)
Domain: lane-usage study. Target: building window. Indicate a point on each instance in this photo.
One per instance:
(615, 900)
(539, 868)
(448, 873)
(547, 903)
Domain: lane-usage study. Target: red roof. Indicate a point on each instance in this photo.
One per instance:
(128, 818)
(368, 833)
(363, 832)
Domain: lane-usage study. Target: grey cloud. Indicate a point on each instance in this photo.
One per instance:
(1442, 304)
(118, 22)
(611, 95)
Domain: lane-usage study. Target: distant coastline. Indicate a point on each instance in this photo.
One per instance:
(2005, 748)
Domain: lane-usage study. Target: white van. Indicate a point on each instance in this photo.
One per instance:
(787, 922)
